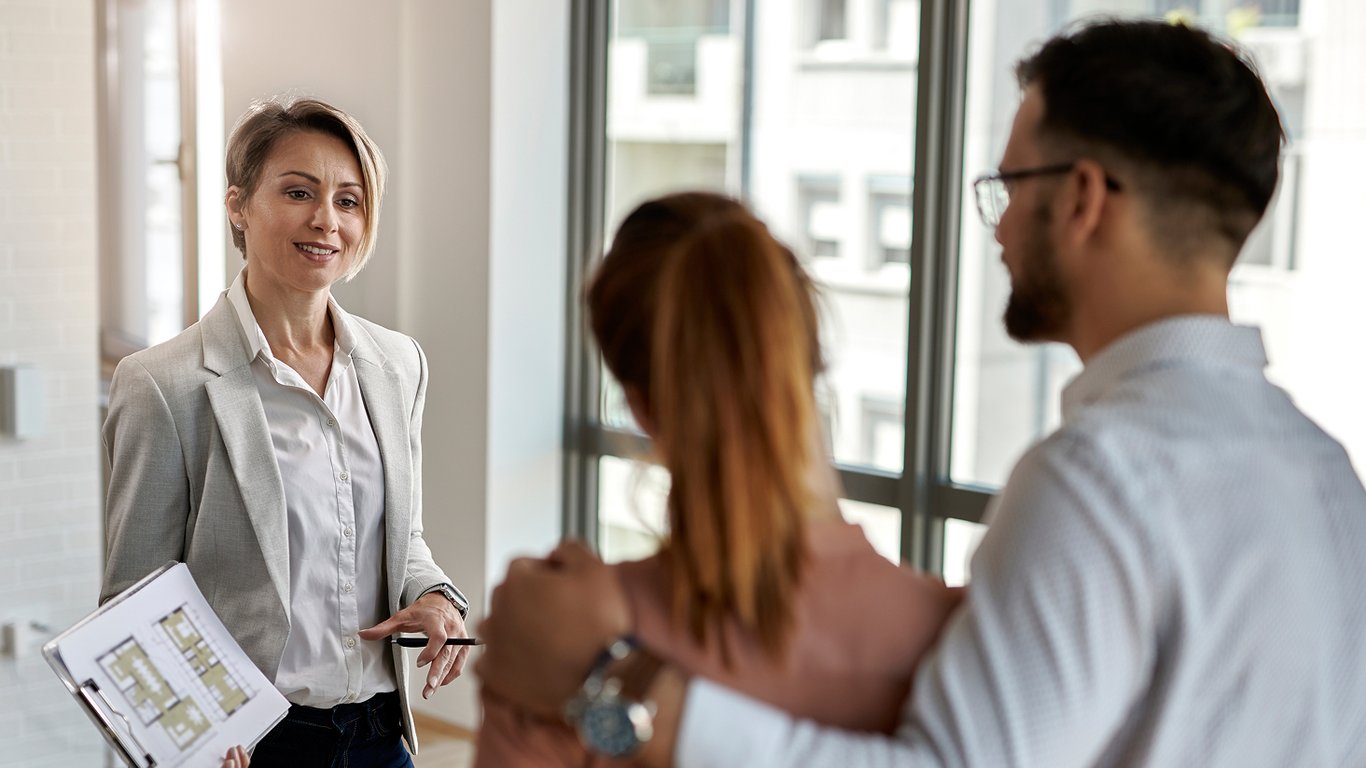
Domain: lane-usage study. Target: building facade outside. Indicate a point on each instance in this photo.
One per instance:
(822, 146)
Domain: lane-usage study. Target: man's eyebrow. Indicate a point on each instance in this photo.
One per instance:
(317, 180)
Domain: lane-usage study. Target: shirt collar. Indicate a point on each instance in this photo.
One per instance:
(1189, 339)
(255, 340)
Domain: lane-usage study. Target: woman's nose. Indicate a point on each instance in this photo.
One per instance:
(324, 218)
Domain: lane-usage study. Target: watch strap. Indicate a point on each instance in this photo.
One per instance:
(457, 598)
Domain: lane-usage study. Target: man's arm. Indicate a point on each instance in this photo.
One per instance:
(1039, 668)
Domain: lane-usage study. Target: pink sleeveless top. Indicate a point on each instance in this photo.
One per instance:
(862, 623)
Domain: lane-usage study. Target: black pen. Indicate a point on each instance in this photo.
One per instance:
(421, 642)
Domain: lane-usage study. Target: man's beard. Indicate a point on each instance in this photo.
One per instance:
(1039, 308)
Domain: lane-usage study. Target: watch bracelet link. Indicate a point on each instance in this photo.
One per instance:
(455, 596)
(620, 678)
(594, 682)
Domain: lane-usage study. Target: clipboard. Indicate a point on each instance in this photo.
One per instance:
(162, 678)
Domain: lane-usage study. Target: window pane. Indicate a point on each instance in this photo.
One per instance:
(882, 526)
(631, 508)
(142, 272)
(632, 516)
(1297, 275)
(822, 150)
(161, 122)
(960, 542)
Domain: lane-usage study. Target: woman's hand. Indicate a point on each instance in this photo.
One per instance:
(434, 616)
(237, 757)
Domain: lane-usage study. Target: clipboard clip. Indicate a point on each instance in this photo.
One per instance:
(131, 750)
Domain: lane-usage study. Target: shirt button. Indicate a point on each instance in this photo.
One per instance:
(345, 476)
(331, 422)
(347, 532)
(346, 587)
(350, 642)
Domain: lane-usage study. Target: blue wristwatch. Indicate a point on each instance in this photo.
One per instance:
(610, 722)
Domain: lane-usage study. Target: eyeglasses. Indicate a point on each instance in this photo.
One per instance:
(993, 190)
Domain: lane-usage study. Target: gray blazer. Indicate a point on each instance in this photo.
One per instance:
(193, 478)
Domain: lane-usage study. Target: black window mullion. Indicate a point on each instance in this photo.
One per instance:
(941, 90)
(587, 82)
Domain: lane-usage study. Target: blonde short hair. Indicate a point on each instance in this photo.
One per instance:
(269, 120)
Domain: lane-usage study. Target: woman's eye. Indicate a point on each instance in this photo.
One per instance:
(347, 202)
(297, 194)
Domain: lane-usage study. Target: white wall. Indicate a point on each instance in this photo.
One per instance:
(49, 486)
(468, 101)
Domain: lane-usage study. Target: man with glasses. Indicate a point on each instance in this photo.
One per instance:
(1176, 576)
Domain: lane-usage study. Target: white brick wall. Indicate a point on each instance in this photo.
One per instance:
(50, 547)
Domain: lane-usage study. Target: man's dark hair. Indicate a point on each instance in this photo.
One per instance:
(1185, 112)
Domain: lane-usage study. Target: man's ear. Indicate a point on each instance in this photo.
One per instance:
(1083, 200)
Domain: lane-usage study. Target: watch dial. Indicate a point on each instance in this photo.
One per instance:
(607, 728)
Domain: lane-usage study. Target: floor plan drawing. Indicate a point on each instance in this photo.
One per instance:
(151, 694)
(148, 688)
(161, 676)
(223, 686)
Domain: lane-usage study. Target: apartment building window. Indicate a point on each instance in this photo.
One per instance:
(673, 34)
(889, 221)
(926, 338)
(821, 217)
(829, 20)
(896, 28)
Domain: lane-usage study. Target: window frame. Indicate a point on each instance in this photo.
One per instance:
(923, 490)
(116, 340)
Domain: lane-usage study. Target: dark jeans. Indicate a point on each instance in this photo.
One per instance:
(364, 735)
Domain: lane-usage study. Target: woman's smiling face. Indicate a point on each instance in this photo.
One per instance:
(306, 217)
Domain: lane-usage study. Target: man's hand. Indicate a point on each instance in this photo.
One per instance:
(547, 623)
(434, 616)
(236, 758)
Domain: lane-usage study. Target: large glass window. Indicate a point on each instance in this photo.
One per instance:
(1289, 279)
(160, 121)
(812, 111)
(756, 100)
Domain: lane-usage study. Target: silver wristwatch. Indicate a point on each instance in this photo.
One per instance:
(610, 722)
(457, 598)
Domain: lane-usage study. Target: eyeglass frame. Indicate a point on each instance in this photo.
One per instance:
(991, 180)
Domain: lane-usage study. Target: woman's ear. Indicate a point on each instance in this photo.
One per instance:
(236, 204)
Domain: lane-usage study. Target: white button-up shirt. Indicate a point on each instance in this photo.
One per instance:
(334, 497)
(1176, 577)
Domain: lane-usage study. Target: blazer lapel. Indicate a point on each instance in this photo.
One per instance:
(384, 401)
(242, 422)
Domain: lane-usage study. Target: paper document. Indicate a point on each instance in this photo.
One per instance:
(162, 677)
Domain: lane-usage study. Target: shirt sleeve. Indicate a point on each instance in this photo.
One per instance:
(1041, 667)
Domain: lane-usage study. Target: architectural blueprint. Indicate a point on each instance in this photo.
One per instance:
(163, 678)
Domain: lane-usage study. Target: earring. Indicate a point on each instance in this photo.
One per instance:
(237, 224)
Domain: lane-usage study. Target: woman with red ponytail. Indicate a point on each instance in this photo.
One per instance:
(710, 325)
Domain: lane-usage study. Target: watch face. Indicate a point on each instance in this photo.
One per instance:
(457, 599)
(611, 727)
